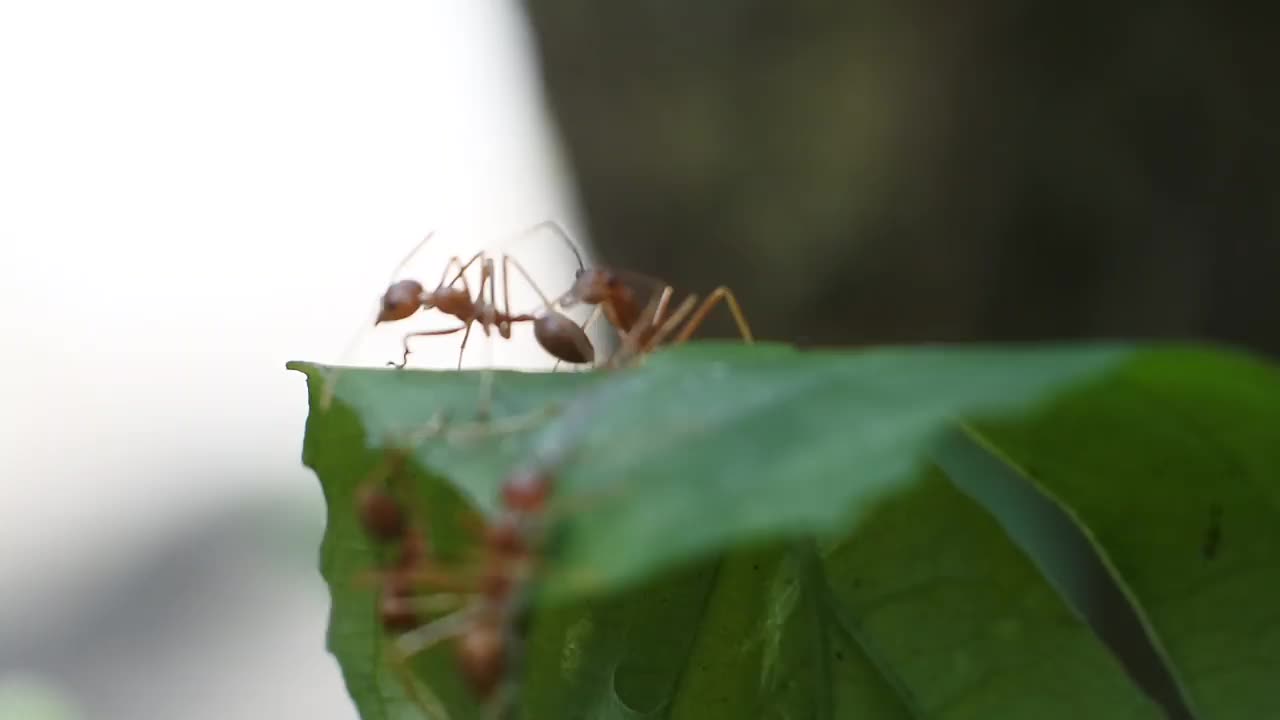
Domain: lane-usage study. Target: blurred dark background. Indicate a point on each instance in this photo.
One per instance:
(868, 172)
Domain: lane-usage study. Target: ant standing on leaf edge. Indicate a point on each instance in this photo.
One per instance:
(557, 334)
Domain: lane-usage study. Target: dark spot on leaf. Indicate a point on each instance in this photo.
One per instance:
(1212, 534)
(839, 656)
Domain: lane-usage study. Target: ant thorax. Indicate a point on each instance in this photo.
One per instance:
(451, 301)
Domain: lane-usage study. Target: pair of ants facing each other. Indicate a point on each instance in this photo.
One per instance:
(640, 328)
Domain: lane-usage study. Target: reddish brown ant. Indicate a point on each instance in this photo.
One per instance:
(607, 290)
(476, 604)
(641, 328)
(482, 630)
(556, 333)
(560, 336)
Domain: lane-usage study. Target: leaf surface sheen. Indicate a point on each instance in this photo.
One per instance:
(745, 532)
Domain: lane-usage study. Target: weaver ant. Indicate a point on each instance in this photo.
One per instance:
(641, 328)
(478, 605)
(559, 335)
(555, 332)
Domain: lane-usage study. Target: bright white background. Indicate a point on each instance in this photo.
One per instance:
(191, 194)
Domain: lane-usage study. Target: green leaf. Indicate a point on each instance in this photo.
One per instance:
(750, 433)
(1172, 466)
(741, 532)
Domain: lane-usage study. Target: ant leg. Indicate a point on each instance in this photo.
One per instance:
(643, 336)
(404, 360)
(462, 270)
(426, 701)
(659, 313)
(433, 427)
(438, 604)
(486, 275)
(437, 631)
(508, 318)
(503, 426)
(671, 323)
(423, 574)
(409, 257)
(419, 694)
(507, 262)
(639, 344)
(462, 349)
(484, 406)
(720, 293)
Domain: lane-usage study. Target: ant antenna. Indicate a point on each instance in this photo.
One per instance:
(327, 397)
(561, 233)
(409, 257)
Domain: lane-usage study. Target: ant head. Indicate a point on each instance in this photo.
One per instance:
(400, 301)
(379, 513)
(592, 286)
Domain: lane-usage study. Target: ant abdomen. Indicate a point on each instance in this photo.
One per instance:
(563, 338)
